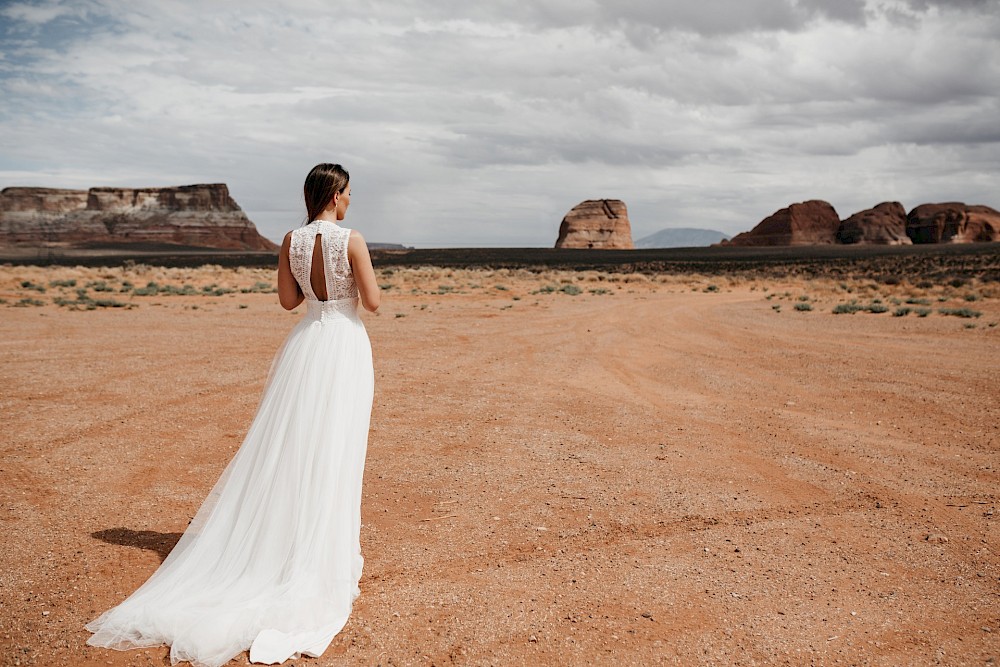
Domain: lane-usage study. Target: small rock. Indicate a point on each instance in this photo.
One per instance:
(533, 639)
(936, 538)
(45, 613)
(646, 614)
(986, 629)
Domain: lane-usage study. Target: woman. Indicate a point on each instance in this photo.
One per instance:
(272, 559)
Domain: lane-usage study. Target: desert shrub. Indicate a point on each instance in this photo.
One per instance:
(184, 290)
(902, 312)
(848, 308)
(599, 290)
(27, 284)
(261, 287)
(877, 307)
(28, 301)
(99, 286)
(925, 284)
(918, 302)
(776, 307)
(63, 283)
(972, 297)
(572, 290)
(712, 288)
(960, 312)
(891, 280)
(545, 289)
(803, 306)
(923, 312)
(804, 297)
(957, 282)
(110, 303)
(151, 289)
(502, 288)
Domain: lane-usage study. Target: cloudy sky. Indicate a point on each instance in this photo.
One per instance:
(483, 123)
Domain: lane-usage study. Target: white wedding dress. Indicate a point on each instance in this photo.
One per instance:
(272, 559)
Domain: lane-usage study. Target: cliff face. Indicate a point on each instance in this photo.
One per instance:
(813, 222)
(190, 215)
(596, 223)
(883, 225)
(953, 223)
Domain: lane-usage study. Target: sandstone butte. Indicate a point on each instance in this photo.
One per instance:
(816, 222)
(202, 216)
(596, 223)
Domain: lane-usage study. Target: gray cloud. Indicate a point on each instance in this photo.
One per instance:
(482, 123)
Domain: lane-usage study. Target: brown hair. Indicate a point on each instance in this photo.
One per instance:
(323, 182)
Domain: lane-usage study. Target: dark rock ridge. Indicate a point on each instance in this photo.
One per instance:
(596, 223)
(883, 225)
(816, 223)
(189, 215)
(681, 237)
(813, 222)
(953, 223)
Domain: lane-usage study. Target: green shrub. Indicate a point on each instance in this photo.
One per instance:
(572, 290)
(902, 312)
(99, 286)
(960, 312)
(849, 308)
(918, 302)
(261, 287)
(28, 301)
(877, 307)
(63, 283)
(923, 312)
(802, 306)
(712, 288)
(27, 284)
(972, 297)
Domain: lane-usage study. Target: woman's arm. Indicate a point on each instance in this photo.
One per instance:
(289, 293)
(364, 273)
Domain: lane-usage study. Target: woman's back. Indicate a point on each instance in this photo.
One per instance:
(322, 270)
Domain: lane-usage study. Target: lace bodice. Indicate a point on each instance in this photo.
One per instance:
(336, 267)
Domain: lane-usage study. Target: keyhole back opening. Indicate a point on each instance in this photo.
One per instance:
(317, 273)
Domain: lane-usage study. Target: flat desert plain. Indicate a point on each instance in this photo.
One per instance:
(564, 468)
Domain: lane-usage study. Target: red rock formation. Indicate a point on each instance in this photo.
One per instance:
(190, 215)
(813, 222)
(596, 223)
(883, 225)
(953, 222)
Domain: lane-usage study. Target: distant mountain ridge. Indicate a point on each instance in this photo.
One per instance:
(681, 237)
(202, 215)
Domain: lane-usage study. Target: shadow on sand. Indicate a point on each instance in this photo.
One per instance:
(161, 543)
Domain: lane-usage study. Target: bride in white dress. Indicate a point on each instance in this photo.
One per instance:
(272, 559)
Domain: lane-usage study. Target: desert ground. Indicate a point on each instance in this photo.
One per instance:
(564, 467)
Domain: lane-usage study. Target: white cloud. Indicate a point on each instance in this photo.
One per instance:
(482, 123)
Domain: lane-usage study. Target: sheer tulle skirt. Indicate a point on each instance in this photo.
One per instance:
(272, 559)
